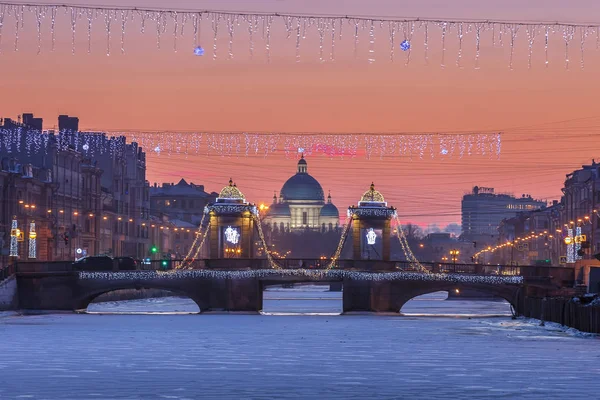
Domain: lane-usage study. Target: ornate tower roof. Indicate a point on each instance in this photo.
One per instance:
(372, 196)
(231, 192)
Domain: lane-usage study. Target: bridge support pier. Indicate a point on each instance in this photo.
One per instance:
(227, 295)
(372, 296)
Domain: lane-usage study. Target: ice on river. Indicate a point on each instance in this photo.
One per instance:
(478, 352)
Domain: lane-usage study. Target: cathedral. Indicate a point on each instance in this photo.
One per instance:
(301, 205)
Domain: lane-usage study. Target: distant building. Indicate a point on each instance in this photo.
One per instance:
(301, 205)
(27, 194)
(534, 237)
(581, 196)
(483, 210)
(66, 123)
(101, 201)
(182, 201)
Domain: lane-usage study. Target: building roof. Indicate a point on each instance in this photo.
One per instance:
(372, 195)
(302, 186)
(183, 224)
(231, 192)
(329, 210)
(182, 188)
(279, 210)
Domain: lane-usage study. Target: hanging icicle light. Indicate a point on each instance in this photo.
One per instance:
(327, 27)
(406, 145)
(14, 238)
(32, 240)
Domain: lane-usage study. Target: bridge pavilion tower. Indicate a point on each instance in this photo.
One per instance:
(371, 226)
(231, 225)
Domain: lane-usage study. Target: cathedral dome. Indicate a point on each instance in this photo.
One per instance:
(302, 186)
(279, 210)
(329, 210)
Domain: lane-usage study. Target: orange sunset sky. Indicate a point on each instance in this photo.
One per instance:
(549, 117)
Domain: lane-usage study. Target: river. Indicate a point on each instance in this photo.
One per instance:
(439, 349)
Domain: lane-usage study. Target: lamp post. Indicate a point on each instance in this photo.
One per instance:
(454, 254)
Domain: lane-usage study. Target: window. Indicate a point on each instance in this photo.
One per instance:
(304, 218)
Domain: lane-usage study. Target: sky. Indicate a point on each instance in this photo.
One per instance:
(549, 116)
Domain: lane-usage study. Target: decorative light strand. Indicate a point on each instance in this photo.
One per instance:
(411, 145)
(197, 235)
(14, 238)
(317, 275)
(32, 240)
(298, 23)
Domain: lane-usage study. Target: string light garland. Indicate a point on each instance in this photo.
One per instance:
(317, 275)
(340, 246)
(408, 254)
(32, 240)
(187, 265)
(492, 249)
(197, 236)
(272, 263)
(14, 237)
(370, 145)
(327, 29)
(570, 234)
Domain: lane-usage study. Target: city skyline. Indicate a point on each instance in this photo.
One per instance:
(146, 89)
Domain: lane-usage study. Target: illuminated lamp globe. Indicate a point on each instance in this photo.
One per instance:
(405, 45)
(198, 51)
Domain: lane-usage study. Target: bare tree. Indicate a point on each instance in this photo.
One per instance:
(412, 232)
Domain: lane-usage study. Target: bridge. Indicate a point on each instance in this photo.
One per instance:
(237, 285)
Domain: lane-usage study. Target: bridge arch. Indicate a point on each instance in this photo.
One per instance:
(512, 294)
(83, 300)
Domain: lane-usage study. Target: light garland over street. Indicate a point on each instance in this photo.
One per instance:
(202, 33)
(415, 146)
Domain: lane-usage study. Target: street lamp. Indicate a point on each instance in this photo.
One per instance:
(454, 254)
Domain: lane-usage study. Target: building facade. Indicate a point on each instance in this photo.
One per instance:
(483, 210)
(301, 205)
(182, 201)
(581, 197)
(100, 204)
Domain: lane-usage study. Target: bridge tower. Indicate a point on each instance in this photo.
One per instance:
(371, 226)
(231, 225)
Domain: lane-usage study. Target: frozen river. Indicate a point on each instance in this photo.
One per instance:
(476, 352)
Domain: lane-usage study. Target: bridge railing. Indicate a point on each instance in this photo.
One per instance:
(43, 266)
(564, 274)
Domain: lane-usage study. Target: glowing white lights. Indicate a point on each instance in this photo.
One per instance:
(326, 30)
(571, 256)
(14, 237)
(32, 240)
(371, 237)
(415, 146)
(232, 235)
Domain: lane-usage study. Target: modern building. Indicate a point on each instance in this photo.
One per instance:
(301, 205)
(483, 210)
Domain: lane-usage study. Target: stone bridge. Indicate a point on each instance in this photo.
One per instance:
(241, 290)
